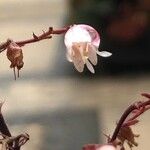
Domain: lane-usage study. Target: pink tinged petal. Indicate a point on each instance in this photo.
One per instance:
(89, 66)
(76, 34)
(77, 59)
(92, 55)
(95, 38)
(104, 53)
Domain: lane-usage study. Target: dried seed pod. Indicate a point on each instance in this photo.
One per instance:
(126, 135)
(15, 56)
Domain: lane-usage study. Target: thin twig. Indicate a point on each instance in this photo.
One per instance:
(43, 36)
(141, 107)
(121, 121)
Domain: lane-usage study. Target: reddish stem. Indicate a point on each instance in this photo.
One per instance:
(139, 112)
(121, 121)
(43, 36)
(140, 107)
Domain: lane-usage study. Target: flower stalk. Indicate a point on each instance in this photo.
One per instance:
(123, 132)
(45, 35)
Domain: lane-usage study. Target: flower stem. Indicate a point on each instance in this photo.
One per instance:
(35, 38)
(139, 108)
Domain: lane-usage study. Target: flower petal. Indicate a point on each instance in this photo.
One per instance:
(92, 55)
(76, 34)
(77, 59)
(68, 55)
(95, 37)
(89, 66)
(104, 53)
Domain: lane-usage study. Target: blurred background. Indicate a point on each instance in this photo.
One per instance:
(57, 106)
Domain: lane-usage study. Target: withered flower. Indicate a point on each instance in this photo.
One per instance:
(15, 56)
(126, 135)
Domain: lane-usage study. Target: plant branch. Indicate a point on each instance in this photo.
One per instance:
(45, 35)
(8, 141)
(137, 109)
(121, 121)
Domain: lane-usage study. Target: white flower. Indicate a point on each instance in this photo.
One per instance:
(82, 43)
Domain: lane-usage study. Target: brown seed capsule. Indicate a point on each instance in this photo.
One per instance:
(15, 56)
(126, 135)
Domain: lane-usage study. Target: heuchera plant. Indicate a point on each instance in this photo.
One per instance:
(82, 43)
